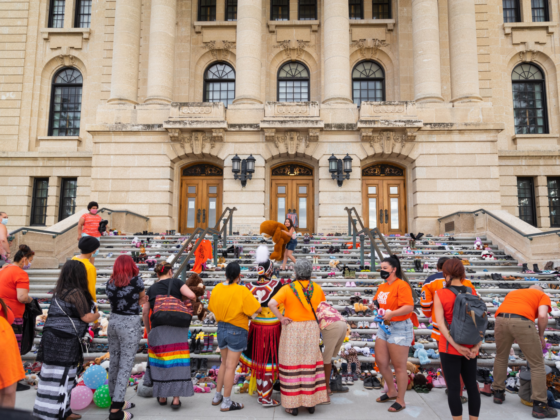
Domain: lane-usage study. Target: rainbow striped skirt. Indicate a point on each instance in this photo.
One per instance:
(170, 362)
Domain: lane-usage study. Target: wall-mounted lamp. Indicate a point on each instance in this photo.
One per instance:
(340, 168)
(243, 169)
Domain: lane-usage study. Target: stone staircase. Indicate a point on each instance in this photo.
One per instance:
(338, 289)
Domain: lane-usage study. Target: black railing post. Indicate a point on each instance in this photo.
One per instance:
(354, 232)
(372, 253)
(362, 244)
(215, 240)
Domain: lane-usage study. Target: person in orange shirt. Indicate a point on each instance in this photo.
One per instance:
(11, 369)
(395, 298)
(88, 225)
(515, 321)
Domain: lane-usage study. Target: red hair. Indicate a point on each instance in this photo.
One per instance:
(124, 270)
(454, 268)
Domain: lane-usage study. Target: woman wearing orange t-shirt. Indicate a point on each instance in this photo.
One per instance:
(457, 361)
(11, 369)
(395, 298)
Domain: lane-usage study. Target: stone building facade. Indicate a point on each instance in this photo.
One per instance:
(442, 105)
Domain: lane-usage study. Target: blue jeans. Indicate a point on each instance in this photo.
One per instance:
(401, 333)
(232, 337)
(292, 245)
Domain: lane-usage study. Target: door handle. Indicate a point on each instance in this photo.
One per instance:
(380, 216)
(386, 216)
(198, 216)
(204, 216)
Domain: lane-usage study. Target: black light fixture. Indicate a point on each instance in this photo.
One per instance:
(339, 170)
(243, 170)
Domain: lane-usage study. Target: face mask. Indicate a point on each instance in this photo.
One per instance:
(93, 211)
(384, 274)
(5, 221)
(96, 253)
(27, 266)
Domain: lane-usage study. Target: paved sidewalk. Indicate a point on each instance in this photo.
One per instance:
(356, 404)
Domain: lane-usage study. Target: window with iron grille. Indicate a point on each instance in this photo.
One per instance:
(39, 202)
(219, 84)
(56, 13)
(307, 10)
(382, 9)
(526, 200)
(529, 100)
(83, 14)
(355, 9)
(67, 205)
(293, 83)
(231, 10)
(368, 82)
(207, 10)
(554, 201)
(280, 10)
(539, 9)
(66, 103)
(512, 12)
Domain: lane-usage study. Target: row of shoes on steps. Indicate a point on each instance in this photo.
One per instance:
(197, 346)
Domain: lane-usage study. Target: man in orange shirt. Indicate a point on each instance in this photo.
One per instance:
(515, 321)
(88, 225)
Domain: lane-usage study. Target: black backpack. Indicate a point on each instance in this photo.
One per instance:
(470, 318)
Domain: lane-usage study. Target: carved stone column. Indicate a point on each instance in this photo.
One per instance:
(337, 51)
(425, 45)
(463, 51)
(126, 51)
(162, 51)
(248, 58)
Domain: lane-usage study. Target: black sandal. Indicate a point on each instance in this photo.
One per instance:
(162, 403)
(385, 398)
(292, 411)
(311, 410)
(397, 407)
(176, 406)
(233, 407)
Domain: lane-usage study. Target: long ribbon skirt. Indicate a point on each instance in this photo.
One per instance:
(302, 374)
(53, 393)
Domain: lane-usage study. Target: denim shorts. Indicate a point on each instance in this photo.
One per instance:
(292, 245)
(401, 333)
(231, 337)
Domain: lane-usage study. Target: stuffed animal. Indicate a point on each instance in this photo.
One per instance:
(478, 244)
(421, 381)
(279, 234)
(421, 354)
(487, 255)
(104, 323)
(197, 286)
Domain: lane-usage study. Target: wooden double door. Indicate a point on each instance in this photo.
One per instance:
(201, 203)
(384, 204)
(293, 194)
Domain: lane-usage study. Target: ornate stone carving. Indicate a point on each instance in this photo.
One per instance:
(270, 135)
(189, 110)
(291, 140)
(366, 134)
(387, 108)
(294, 52)
(386, 140)
(174, 134)
(292, 109)
(369, 47)
(410, 134)
(219, 53)
(313, 135)
(66, 57)
(528, 55)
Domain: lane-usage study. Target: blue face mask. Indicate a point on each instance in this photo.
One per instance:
(5, 221)
(96, 253)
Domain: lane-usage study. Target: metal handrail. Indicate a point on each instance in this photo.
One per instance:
(24, 230)
(530, 236)
(201, 235)
(352, 222)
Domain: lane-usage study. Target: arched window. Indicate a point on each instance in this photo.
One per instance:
(368, 82)
(66, 103)
(219, 84)
(529, 100)
(293, 83)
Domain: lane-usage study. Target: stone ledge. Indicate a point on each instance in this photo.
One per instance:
(59, 143)
(46, 32)
(41, 155)
(388, 23)
(529, 153)
(463, 126)
(244, 127)
(124, 127)
(272, 24)
(198, 25)
(525, 142)
(508, 27)
(292, 123)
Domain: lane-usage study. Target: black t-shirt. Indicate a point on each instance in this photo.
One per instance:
(161, 287)
(124, 300)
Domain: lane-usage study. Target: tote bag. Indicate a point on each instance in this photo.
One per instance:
(171, 311)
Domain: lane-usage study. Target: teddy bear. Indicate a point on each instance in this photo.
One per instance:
(197, 286)
(421, 354)
(280, 236)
